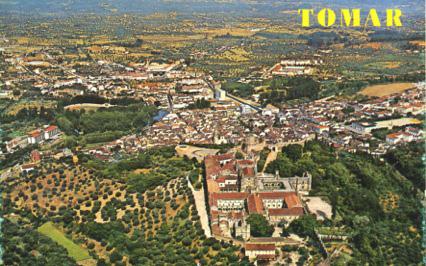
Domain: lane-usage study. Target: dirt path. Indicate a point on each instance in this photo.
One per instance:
(200, 204)
(272, 156)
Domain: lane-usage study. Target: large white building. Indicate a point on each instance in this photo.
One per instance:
(233, 201)
(220, 94)
(40, 135)
(260, 251)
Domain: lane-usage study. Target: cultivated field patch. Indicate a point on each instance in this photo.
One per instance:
(386, 89)
(75, 251)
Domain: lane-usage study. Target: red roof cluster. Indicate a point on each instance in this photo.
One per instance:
(223, 168)
(35, 155)
(215, 164)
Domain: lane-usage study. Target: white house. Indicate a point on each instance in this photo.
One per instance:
(399, 137)
(35, 136)
(260, 251)
(51, 132)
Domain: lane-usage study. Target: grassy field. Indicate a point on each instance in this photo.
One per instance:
(386, 89)
(74, 251)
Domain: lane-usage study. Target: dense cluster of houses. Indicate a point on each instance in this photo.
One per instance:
(404, 136)
(170, 85)
(106, 79)
(352, 125)
(343, 124)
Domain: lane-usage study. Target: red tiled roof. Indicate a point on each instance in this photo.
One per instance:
(51, 128)
(35, 155)
(35, 133)
(263, 247)
(277, 68)
(297, 211)
(213, 166)
(319, 126)
(220, 179)
(230, 166)
(272, 195)
(255, 204)
(393, 135)
(230, 176)
(28, 166)
(231, 196)
(248, 171)
(245, 162)
(292, 200)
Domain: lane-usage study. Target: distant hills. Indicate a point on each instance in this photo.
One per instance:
(237, 7)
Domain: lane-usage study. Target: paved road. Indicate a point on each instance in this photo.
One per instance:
(200, 204)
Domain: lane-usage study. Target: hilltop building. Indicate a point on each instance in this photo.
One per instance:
(236, 189)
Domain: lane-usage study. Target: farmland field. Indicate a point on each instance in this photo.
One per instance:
(171, 38)
(240, 32)
(386, 89)
(75, 251)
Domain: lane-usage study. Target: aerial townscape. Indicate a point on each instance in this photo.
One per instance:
(210, 133)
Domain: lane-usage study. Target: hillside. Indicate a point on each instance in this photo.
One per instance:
(377, 207)
(119, 222)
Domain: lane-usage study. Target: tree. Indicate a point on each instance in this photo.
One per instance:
(408, 160)
(304, 226)
(282, 164)
(283, 89)
(259, 226)
(200, 104)
(115, 256)
(239, 155)
(293, 151)
(16, 92)
(101, 262)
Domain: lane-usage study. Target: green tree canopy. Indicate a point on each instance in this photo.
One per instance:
(293, 151)
(303, 226)
(259, 226)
